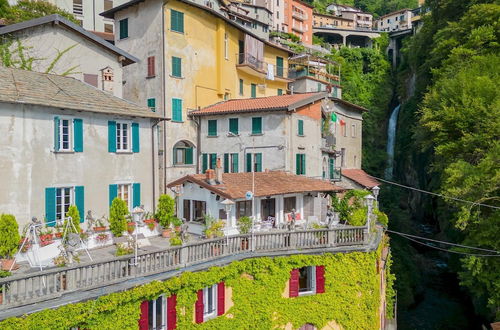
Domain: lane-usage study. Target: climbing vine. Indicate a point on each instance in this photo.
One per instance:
(351, 298)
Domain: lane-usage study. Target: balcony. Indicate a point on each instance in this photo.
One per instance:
(299, 15)
(82, 281)
(300, 71)
(251, 65)
(298, 29)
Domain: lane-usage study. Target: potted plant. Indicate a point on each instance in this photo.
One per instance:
(165, 213)
(59, 231)
(177, 223)
(46, 237)
(149, 217)
(74, 214)
(175, 239)
(100, 225)
(215, 229)
(130, 227)
(24, 244)
(102, 238)
(244, 226)
(151, 225)
(117, 213)
(9, 239)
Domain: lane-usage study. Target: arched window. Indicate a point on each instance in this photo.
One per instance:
(183, 153)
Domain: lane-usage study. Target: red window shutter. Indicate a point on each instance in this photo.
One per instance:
(151, 66)
(143, 321)
(221, 308)
(320, 279)
(171, 312)
(294, 283)
(199, 307)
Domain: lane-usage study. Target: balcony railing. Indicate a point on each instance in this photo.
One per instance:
(299, 15)
(298, 29)
(295, 73)
(26, 289)
(250, 60)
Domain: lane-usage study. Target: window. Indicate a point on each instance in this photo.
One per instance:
(199, 210)
(254, 162)
(156, 314)
(226, 46)
(152, 104)
(186, 209)
(176, 21)
(64, 199)
(280, 91)
(353, 130)
(122, 136)
(210, 302)
(289, 204)
(68, 135)
(307, 280)
(241, 87)
(257, 125)
(212, 128)
(300, 166)
(124, 28)
(231, 163)
(177, 110)
(108, 4)
(300, 128)
(233, 126)
(64, 135)
(124, 193)
(176, 67)
(159, 313)
(279, 66)
(253, 91)
(183, 153)
(243, 209)
(151, 66)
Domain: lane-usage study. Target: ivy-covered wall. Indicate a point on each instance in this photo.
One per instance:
(351, 298)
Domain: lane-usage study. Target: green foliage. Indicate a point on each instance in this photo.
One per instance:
(175, 239)
(166, 210)
(9, 235)
(117, 213)
(382, 7)
(215, 229)
(351, 298)
(244, 225)
(26, 10)
(123, 249)
(390, 293)
(382, 218)
(75, 219)
(350, 202)
(358, 217)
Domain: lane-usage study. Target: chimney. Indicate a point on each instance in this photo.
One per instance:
(210, 176)
(218, 171)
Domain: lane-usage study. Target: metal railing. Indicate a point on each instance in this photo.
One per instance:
(25, 289)
(250, 60)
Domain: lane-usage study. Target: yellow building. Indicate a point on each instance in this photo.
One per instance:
(192, 55)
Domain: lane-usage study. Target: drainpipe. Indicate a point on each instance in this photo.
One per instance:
(197, 121)
(163, 97)
(153, 159)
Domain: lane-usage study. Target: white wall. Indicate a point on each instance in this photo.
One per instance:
(45, 41)
(28, 163)
(352, 144)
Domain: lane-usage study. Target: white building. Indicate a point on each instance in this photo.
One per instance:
(361, 19)
(85, 56)
(395, 21)
(67, 143)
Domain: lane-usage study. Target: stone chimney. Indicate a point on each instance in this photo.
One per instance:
(218, 171)
(210, 176)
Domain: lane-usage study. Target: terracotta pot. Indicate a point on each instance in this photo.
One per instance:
(47, 242)
(178, 228)
(99, 229)
(7, 264)
(59, 235)
(166, 233)
(149, 220)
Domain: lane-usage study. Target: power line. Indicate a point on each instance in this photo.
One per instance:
(442, 242)
(435, 194)
(446, 250)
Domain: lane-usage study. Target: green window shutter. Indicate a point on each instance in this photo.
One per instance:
(226, 163)
(301, 127)
(176, 21)
(213, 161)
(189, 156)
(50, 206)
(176, 66)
(331, 167)
(319, 87)
(212, 128)
(241, 87)
(280, 91)
(303, 164)
(258, 161)
(257, 125)
(152, 104)
(56, 133)
(124, 28)
(233, 125)
(80, 201)
(113, 192)
(253, 90)
(175, 155)
(249, 162)
(205, 162)
(136, 146)
(279, 66)
(235, 163)
(111, 136)
(176, 109)
(78, 135)
(136, 194)
(297, 164)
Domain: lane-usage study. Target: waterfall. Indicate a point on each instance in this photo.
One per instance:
(391, 141)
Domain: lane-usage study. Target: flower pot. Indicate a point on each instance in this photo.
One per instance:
(99, 229)
(178, 229)
(7, 264)
(59, 235)
(149, 221)
(166, 233)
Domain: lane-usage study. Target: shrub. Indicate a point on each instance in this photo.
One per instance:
(215, 229)
(117, 213)
(75, 219)
(358, 217)
(9, 235)
(244, 225)
(382, 218)
(166, 210)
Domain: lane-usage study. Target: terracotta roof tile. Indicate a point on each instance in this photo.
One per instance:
(281, 102)
(235, 185)
(360, 177)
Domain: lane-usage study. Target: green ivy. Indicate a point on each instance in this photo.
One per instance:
(351, 298)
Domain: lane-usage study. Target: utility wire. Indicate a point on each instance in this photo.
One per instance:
(435, 194)
(445, 250)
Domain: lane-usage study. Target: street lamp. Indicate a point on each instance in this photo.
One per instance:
(137, 213)
(369, 202)
(375, 191)
(228, 205)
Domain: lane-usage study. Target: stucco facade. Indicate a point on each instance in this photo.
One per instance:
(299, 20)
(396, 21)
(331, 20)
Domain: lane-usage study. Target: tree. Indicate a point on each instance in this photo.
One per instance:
(74, 226)
(9, 235)
(117, 213)
(166, 210)
(25, 10)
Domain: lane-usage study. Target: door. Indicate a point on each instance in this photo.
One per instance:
(268, 209)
